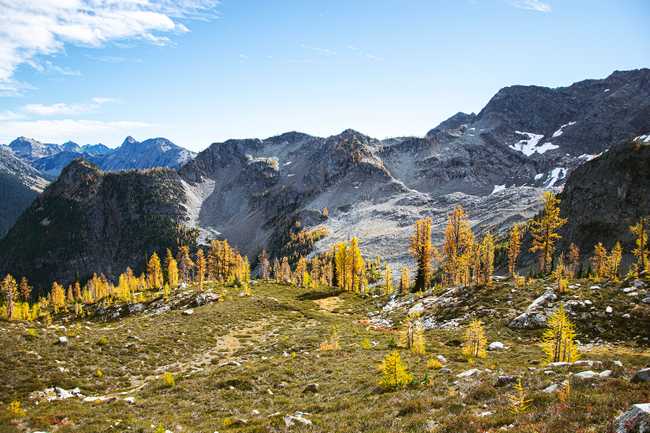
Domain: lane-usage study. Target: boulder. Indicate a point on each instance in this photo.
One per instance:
(635, 420)
(551, 388)
(311, 388)
(468, 373)
(586, 375)
(496, 345)
(298, 417)
(505, 380)
(63, 340)
(188, 312)
(640, 376)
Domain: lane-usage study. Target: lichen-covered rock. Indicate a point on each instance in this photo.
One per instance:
(635, 420)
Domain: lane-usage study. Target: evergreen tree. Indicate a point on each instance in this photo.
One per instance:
(185, 263)
(423, 252)
(544, 231)
(154, 272)
(640, 231)
(514, 248)
(558, 339)
(404, 280)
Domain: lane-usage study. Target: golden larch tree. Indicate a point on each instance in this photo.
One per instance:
(599, 261)
(475, 340)
(640, 231)
(615, 257)
(558, 339)
(25, 290)
(9, 289)
(544, 230)
(265, 265)
(57, 297)
(201, 268)
(388, 279)
(458, 247)
(574, 259)
(514, 248)
(423, 252)
(155, 278)
(394, 372)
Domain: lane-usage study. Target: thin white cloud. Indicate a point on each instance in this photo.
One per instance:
(35, 28)
(64, 109)
(10, 115)
(319, 50)
(81, 131)
(532, 5)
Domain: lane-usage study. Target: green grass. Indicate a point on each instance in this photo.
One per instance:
(251, 358)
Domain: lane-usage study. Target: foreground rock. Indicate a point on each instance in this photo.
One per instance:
(642, 375)
(535, 315)
(635, 420)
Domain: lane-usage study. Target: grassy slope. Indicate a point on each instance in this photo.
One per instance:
(274, 337)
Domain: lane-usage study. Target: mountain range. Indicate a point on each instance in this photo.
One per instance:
(26, 164)
(273, 193)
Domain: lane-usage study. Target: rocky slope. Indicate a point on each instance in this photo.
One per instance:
(19, 185)
(271, 193)
(603, 197)
(90, 221)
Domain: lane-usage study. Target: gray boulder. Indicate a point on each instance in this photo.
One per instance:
(635, 420)
(642, 375)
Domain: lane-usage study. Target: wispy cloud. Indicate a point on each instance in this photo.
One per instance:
(47, 67)
(532, 5)
(64, 109)
(40, 28)
(319, 50)
(83, 131)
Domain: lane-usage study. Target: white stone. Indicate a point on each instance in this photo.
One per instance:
(188, 312)
(63, 340)
(609, 310)
(584, 375)
(496, 345)
(468, 373)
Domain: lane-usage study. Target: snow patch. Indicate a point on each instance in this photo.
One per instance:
(561, 130)
(546, 146)
(643, 138)
(498, 188)
(588, 157)
(529, 146)
(606, 90)
(556, 175)
(539, 176)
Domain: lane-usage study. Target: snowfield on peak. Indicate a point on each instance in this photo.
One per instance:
(530, 146)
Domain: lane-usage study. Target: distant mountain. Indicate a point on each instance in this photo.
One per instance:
(19, 185)
(271, 193)
(94, 221)
(95, 149)
(154, 152)
(30, 149)
(132, 154)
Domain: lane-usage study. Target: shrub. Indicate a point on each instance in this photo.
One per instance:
(15, 410)
(518, 401)
(168, 379)
(475, 340)
(434, 364)
(332, 343)
(99, 373)
(103, 341)
(366, 344)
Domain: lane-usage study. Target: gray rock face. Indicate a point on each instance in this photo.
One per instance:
(535, 315)
(19, 186)
(30, 149)
(607, 195)
(635, 420)
(642, 375)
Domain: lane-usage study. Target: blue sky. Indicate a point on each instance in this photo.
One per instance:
(200, 71)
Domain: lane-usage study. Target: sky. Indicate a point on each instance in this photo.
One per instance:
(203, 71)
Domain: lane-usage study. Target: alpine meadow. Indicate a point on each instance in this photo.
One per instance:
(488, 274)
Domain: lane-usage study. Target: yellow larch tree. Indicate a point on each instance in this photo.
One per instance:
(615, 257)
(25, 290)
(388, 280)
(558, 339)
(574, 260)
(172, 269)
(201, 269)
(640, 231)
(57, 297)
(514, 248)
(544, 231)
(9, 289)
(599, 261)
(475, 340)
(394, 372)
(458, 247)
(423, 252)
(487, 259)
(155, 278)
